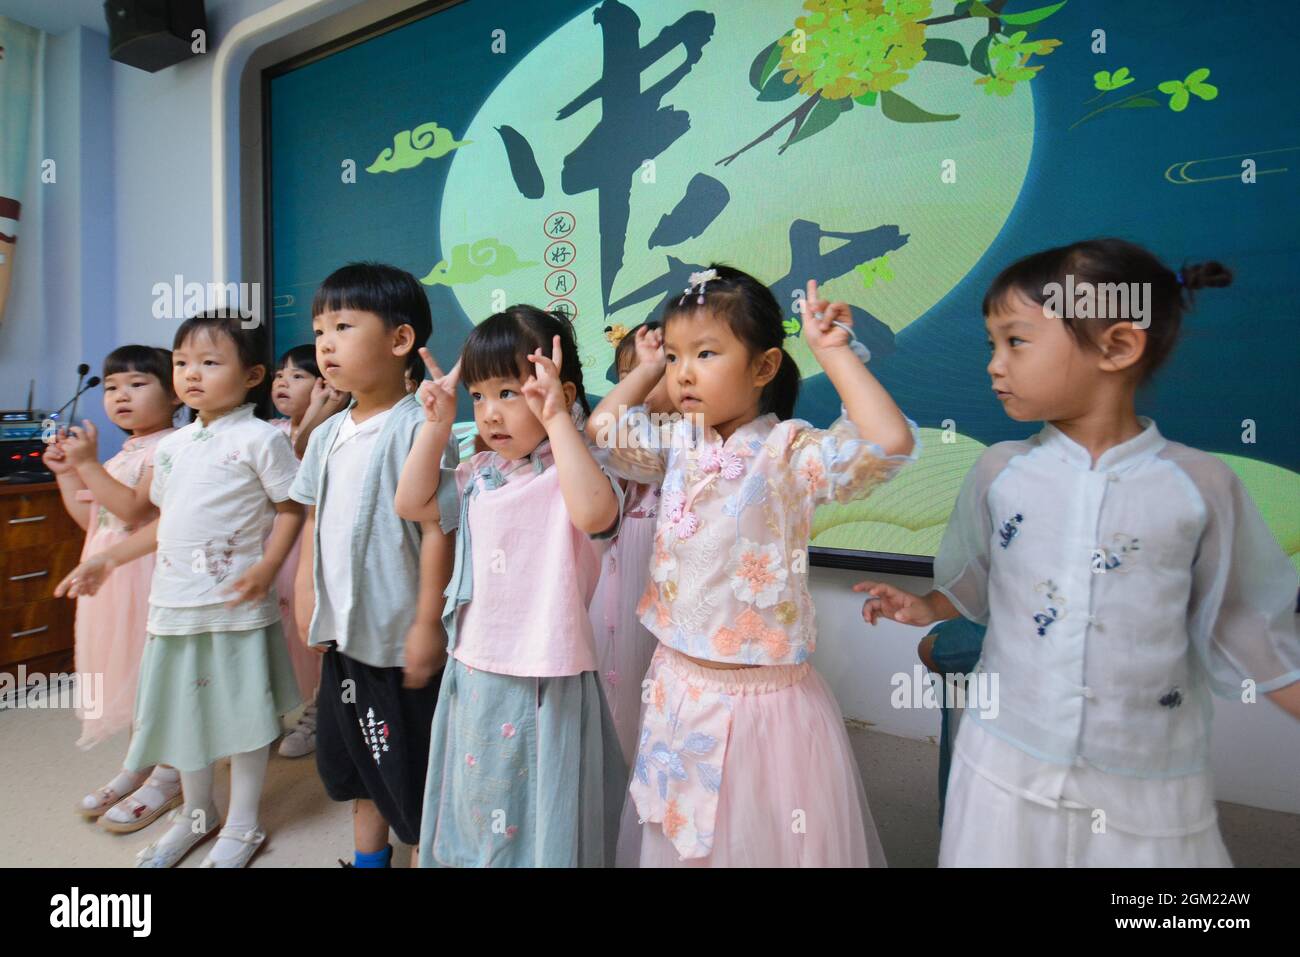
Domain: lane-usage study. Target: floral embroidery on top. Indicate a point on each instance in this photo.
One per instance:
(218, 559)
(751, 628)
(1173, 699)
(757, 574)
(1010, 529)
(1054, 611)
(1122, 553)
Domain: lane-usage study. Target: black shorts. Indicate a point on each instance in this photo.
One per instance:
(372, 739)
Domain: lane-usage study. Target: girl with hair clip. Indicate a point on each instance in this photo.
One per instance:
(742, 758)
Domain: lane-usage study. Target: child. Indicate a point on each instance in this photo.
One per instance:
(525, 768)
(301, 403)
(624, 645)
(1122, 577)
(370, 585)
(743, 759)
(215, 677)
(111, 501)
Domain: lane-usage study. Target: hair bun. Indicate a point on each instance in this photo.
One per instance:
(1212, 273)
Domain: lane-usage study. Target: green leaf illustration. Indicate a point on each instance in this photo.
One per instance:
(776, 89)
(791, 326)
(1177, 94)
(764, 64)
(1137, 103)
(1031, 16)
(945, 51)
(823, 115)
(1105, 80)
(979, 55)
(866, 99)
(902, 110)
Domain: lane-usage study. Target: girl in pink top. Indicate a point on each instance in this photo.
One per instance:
(110, 501)
(742, 758)
(524, 764)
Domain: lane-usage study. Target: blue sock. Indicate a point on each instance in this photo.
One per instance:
(375, 859)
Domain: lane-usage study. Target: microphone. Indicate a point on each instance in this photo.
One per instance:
(90, 384)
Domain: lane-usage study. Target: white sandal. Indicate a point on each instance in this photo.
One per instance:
(141, 814)
(252, 840)
(156, 855)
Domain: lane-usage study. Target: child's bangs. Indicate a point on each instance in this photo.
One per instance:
(498, 348)
(1029, 279)
(144, 360)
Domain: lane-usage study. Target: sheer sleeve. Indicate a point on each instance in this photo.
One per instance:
(839, 465)
(638, 447)
(1241, 618)
(961, 567)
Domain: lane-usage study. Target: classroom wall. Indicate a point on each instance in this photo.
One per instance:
(141, 213)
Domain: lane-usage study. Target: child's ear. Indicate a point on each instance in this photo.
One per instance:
(255, 376)
(1121, 346)
(570, 394)
(766, 366)
(403, 340)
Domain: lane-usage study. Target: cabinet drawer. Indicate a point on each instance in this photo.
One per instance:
(35, 518)
(30, 574)
(35, 629)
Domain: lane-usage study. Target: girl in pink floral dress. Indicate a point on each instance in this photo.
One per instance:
(742, 757)
(111, 501)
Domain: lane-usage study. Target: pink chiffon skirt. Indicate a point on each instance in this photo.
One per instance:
(109, 637)
(790, 793)
(306, 663)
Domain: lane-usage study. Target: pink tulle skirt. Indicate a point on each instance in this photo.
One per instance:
(790, 795)
(109, 636)
(306, 663)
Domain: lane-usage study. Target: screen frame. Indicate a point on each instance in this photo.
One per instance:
(888, 563)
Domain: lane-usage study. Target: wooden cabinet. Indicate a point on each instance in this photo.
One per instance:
(39, 544)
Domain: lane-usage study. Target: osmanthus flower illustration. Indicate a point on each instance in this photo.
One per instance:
(843, 53)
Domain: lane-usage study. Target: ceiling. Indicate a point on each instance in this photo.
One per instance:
(59, 16)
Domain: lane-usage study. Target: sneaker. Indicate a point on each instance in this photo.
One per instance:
(301, 741)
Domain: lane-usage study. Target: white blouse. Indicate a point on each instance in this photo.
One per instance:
(215, 486)
(1116, 597)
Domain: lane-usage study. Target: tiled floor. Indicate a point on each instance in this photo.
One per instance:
(42, 776)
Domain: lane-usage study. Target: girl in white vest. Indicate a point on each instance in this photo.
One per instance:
(1122, 576)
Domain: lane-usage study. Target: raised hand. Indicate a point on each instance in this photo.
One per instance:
(81, 444)
(544, 392)
(438, 395)
(819, 317)
(55, 458)
(650, 346)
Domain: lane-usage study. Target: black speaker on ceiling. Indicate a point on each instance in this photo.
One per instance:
(153, 34)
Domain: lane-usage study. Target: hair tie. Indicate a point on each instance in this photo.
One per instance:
(700, 279)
